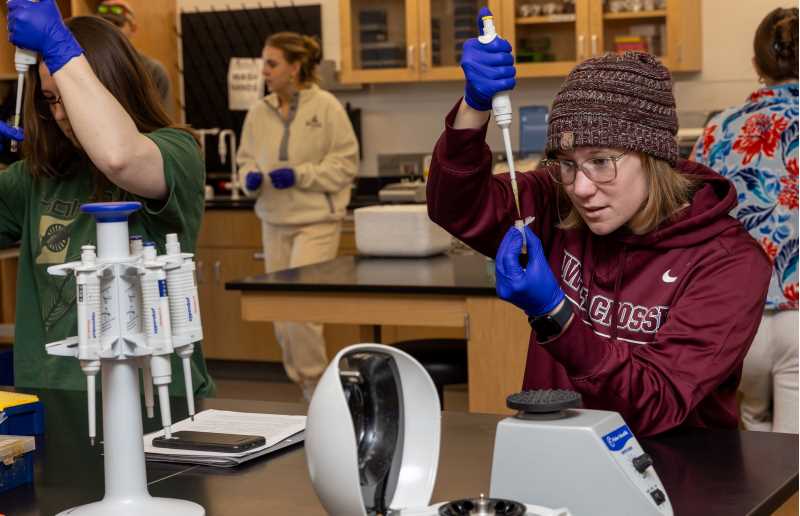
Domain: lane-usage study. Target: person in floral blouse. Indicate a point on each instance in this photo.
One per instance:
(756, 146)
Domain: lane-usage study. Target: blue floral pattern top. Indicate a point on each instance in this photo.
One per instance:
(755, 146)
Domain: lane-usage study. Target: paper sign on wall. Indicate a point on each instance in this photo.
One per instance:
(245, 82)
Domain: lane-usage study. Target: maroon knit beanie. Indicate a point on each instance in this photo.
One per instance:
(622, 101)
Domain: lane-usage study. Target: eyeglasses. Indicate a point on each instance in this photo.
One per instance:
(113, 9)
(599, 169)
(46, 113)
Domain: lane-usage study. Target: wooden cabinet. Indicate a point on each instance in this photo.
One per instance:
(229, 247)
(405, 40)
(552, 44)
(155, 38)
(420, 40)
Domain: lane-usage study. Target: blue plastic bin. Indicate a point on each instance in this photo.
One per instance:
(21, 414)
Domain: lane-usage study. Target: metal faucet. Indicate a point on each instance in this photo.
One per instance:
(223, 151)
(203, 133)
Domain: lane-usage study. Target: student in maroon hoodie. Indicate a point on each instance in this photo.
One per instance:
(643, 294)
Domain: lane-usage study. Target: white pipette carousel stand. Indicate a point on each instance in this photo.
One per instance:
(124, 319)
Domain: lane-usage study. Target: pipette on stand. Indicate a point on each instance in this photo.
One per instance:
(23, 59)
(501, 108)
(157, 328)
(184, 309)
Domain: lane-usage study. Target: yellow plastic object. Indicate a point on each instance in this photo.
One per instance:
(13, 399)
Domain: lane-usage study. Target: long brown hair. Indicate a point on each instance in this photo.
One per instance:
(298, 47)
(775, 45)
(119, 68)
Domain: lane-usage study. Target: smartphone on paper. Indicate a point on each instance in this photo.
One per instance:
(209, 441)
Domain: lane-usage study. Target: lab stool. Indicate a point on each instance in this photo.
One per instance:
(445, 360)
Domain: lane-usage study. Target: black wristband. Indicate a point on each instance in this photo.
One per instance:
(549, 326)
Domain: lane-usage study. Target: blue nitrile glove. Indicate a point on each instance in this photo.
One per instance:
(10, 133)
(253, 180)
(488, 68)
(534, 288)
(282, 178)
(38, 26)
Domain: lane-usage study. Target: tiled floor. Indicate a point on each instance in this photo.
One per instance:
(267, 381)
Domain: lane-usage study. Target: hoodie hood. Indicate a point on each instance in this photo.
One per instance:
(705, 218)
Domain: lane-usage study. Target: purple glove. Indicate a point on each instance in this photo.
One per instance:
(38, 26)
(10, 133)
(253, 180)
(488, 68)
(534, 288)
(282, 178)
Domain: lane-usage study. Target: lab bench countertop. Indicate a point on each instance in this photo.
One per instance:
(248, 203)
(705, 472)
(457, 274)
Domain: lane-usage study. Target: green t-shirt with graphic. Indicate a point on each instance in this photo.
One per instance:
(43, 215)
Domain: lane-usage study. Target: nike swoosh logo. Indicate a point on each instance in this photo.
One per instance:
(668, 278)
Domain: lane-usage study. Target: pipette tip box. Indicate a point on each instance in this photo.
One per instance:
(16, 461)
(20, 414)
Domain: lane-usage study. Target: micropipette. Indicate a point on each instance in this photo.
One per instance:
(501, 108)
(23, 58)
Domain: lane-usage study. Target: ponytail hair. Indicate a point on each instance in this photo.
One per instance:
(299, 48)
(775, 45)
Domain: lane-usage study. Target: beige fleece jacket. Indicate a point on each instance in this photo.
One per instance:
(317, 141)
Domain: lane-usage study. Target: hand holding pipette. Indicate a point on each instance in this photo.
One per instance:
(10, 133)
(489, 68)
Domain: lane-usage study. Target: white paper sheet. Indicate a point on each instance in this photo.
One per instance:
(273, 427)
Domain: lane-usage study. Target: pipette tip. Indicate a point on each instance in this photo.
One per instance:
(91, 441)
(191, 416)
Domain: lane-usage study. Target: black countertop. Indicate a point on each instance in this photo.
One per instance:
(461, 274)
(247, 203)
(705, 472)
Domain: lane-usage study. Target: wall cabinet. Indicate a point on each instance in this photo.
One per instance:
(551, 43)
(155, 38)
(420, 40)
(405, 40)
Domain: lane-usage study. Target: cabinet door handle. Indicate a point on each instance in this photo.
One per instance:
(423, 57)
(594, 45)
(201, 279)
(259, 256)
(411, 62)
(581, 49)
(217, 271)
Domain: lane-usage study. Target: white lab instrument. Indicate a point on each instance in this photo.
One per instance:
(398, 230)
(23, 59)
(115, 290)
(587, 459)
(403, 192)
(372, 437)
(156, 322)
(501, 108)
(184, 308)
(137, 249)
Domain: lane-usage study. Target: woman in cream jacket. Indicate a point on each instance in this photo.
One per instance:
(299, 156)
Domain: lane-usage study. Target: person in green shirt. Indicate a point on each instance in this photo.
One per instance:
(94, 131)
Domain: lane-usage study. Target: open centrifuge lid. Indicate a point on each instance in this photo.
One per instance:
(372, 432)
